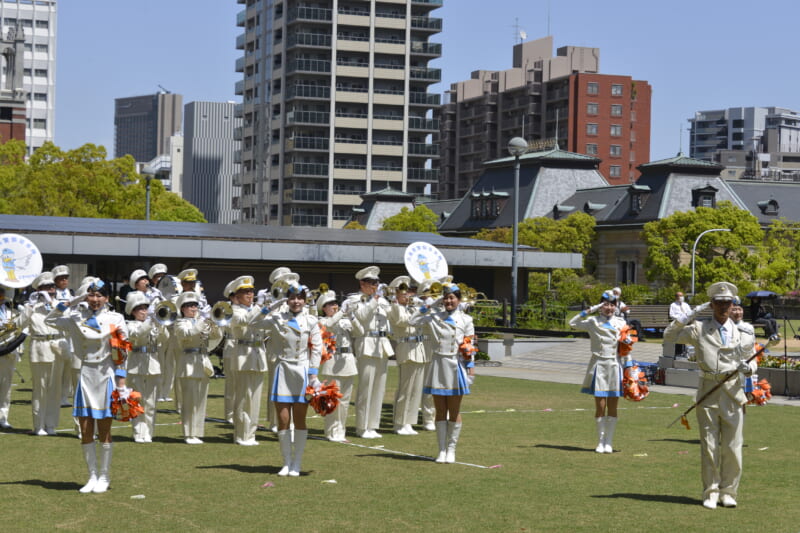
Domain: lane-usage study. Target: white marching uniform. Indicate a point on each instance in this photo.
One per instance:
(48, 351)
(341, 367)
(446, 332)
(91, 333)
(8, 363)
(229, 368)
(144, 373)
(296, 342)
(604, 373)
(721, 415)
(72, 364)
(191, 341)
(412, 360)
(248, 360)
(373, 349)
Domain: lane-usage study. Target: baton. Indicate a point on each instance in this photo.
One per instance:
(682, 417)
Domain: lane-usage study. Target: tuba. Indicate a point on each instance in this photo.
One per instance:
(170, 286)
(222, 313)
(165, 313)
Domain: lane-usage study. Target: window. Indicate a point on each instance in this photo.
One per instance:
(616, 89)
(616, 110)
(591, 108)
(42, 48)
(591, 129)
(42, 24)
(616, 130)
(40, 72)
(591, 149)
(40, 97)
(738, 123)
(615, 171)
(627, 272)
(616, 150)
(592, 88)
(705, 197)
(40, 123)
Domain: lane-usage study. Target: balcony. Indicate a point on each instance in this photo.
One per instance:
(310, 13)
(309, 65)
(307, 169)
(426, 23)
(309, 220)
(425, 48)
(420, 98)
(423, 174)
(427, 74)
(309, 195)
(320, 40)
(300, 90)
(308, 117)
(241, 17)
(240, 41)
(423, 149)
(239, 66)
(432, 3)
(308, 143)
(428, 124)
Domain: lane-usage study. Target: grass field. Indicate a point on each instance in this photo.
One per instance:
(526, 464)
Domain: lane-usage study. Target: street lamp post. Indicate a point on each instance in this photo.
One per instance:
(148, 176)
(516, 147)
(694, 249)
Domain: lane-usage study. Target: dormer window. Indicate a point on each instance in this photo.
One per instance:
(705, 197)
(487, 205)
(638, 195)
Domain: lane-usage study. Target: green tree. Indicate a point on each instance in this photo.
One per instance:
(354, 224)
(721, 256)
(779, 270)
(420, 219)
(82, 183)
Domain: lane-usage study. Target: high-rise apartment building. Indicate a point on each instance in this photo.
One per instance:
(208, 167)
(36, 22)
(751, 142)
(143, 125)
(547, 100)
(335, 104)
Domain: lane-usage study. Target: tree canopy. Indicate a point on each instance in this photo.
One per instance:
(420, 219)
(82, 183)
(573, 234)
(721, 256)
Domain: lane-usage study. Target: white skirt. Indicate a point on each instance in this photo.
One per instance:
(289, 382)
(93, 393)
(447, 376)
(603, 378)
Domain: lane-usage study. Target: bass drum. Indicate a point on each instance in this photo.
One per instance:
(170, 287)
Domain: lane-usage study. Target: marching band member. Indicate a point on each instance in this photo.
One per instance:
(452, 367)
(342, 364)
(139, 281)
(265, 296)
(193, 368)
(295, 337)
(8, 362)
(189, 283)
(720, 348)
(603, 377)
(411, 358)
(372, 349)
(278, 279)
(156, 272)
(143, 367)
(72, 363)
(47, 348)
(91, 330)
(248, 360)
(229, 352)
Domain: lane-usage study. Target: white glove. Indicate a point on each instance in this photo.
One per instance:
(78, 299)
(313, 380)
(124, 392)
(688, 317)
(744, 368)
(594, 308)
(345, 307)
(437, 302)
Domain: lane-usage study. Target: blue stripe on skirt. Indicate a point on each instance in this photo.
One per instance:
(80, 409)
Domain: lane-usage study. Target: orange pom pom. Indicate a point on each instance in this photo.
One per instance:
(325, 400)
(467, 348)
(128, 408)
(634, 384)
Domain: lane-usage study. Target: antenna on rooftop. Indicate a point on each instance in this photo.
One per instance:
(548, 17)
(519, 34)
(164, 89)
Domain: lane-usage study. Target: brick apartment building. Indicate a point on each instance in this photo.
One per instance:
(546, 99)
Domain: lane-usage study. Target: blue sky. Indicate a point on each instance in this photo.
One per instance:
(701, 54)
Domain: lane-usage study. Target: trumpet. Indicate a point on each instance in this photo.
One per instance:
(431, 289)
(221, 313)
(165, 313)
(319, 291)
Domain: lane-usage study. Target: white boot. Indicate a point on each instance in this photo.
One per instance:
(601, 434)
(441, 434)
(285, 439)
(103, 480)
(90, 455)
(453, 431)
(300, 437)
(611, 424)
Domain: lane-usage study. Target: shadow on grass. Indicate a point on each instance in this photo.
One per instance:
(562, 448)
(245, 469)
(683, 441)
(49, 485)
(665, 498)
(395, 456)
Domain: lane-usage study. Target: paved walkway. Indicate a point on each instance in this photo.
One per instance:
(565, 360)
